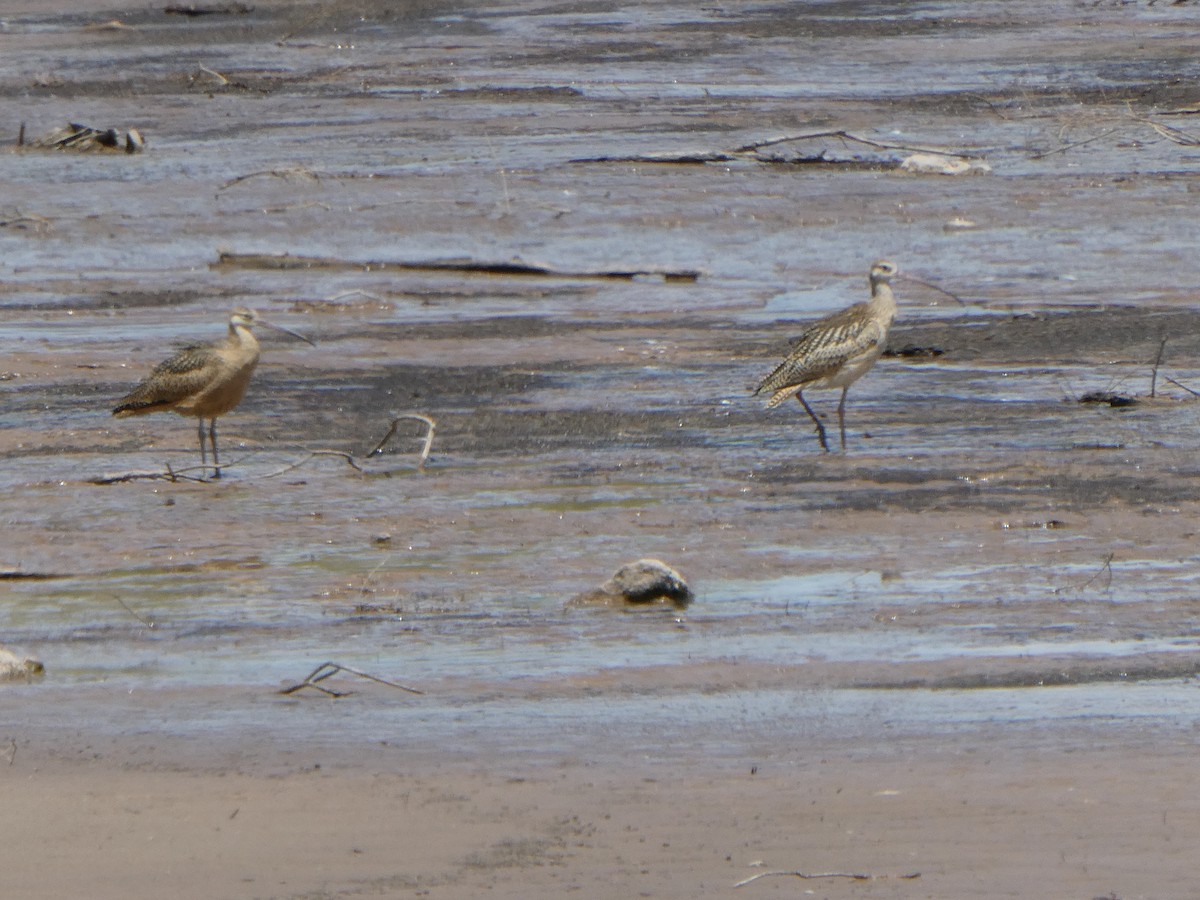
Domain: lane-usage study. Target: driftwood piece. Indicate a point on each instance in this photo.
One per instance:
(753, 151)
(515, 267)
(329, 669)
(191, 10)
(85, 139)
(19, 668)
(356, 463)
(856, 876)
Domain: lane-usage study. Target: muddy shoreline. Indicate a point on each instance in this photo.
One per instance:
(965, 648)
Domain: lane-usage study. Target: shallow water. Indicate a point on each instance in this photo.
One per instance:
(586, 421)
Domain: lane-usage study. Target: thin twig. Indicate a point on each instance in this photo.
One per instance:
(291, 172)
(1174, 135)
(428, 446)
(354, 462)
(1106, 568)
(329, 669)
(217, 75)
(842, 133)
(313, 454)
(149, 623)
(12, 750)
(310, 204)
(361, 293)
(1183, 386)
(1157, 362)
(1066, 147)
(168, 475)
(857, 876)
(514, 267)
(19, 219)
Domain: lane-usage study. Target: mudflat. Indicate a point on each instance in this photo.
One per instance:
(956, 661)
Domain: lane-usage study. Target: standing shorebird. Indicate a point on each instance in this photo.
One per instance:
(837, 350)
(203, 380)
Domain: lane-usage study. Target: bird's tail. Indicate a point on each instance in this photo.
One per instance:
(130, 406)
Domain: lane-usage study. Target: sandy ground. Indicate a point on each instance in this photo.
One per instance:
(1010, 814)
(585, 419)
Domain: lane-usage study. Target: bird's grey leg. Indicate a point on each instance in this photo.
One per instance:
(841, 416)
(812, 415)
(212, 436)
(203, 455)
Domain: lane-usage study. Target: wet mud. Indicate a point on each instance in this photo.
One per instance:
(985, 529)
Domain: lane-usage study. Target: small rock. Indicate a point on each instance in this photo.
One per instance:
(641, 583)
(1117, 401)
(18, 668)
(958, 223)
(937, 164)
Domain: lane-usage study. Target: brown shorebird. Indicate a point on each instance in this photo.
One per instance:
(203, 380)
(837, 350)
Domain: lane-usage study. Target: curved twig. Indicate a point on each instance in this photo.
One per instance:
(857, 876)
(329, 669)
(425, 449)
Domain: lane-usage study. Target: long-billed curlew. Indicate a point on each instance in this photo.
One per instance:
(837, 350)
(203, 380)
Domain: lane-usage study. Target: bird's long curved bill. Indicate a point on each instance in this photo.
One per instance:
(957, 299)
(283, 330)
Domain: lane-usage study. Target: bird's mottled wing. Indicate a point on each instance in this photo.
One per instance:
(824, 347)
(172, 380)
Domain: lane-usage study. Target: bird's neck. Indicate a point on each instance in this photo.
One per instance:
(242, 336)
(881, 295)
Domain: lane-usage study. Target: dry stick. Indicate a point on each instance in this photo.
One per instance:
(291, 172)
(329, 669)
(1106, 567)
(175, 475)
(1067, 147)
(12, 750)
(1184, 386)
(217, 75)
(857, 876)
(313, 454)
(428, 446)
(516, 267)
(169, 475)
(39, 222)
(881, 145)
(706, 156)
(149, 623)
(1157, 362)
(310, 204)
(352, 461)
(344, 294)
(1171, 134)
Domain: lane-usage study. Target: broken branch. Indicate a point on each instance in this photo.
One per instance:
(857, 876)
(516, 267)
(1157, 362)
(1182, 386)
(329, 669)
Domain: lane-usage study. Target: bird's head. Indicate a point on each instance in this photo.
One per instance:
(242, 318)
(245, 318)
(883, 272)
